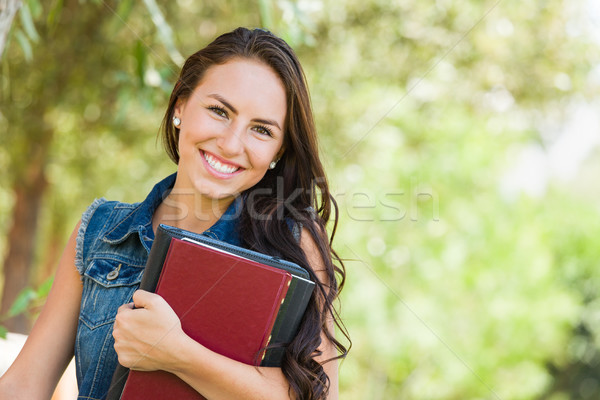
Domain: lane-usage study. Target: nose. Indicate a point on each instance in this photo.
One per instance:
(230, 141)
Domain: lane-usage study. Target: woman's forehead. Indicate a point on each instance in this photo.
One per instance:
(245, 83)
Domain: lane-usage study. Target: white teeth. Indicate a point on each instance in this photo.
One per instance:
(223, 168)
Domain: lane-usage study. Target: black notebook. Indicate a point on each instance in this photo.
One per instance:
(288, 318)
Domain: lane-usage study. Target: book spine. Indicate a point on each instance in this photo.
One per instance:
(283, 290)
(156, 258)
(288, 321)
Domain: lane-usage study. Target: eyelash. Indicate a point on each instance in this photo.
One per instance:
(266, 130)
(221, 112)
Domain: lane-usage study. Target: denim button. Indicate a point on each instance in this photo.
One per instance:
(114, 273)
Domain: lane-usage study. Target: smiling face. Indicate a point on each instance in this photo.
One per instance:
(232, 128)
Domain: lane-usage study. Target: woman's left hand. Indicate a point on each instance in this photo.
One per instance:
(146, 336)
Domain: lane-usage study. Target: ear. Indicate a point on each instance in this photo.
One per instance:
(179, 107)
(280, 152)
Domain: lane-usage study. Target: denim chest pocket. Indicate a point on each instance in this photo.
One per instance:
(107, 284)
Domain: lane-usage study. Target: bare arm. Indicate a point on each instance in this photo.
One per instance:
(213, 375)
(49, 347)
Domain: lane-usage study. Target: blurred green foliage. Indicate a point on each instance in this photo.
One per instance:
(471, 272)
(28, 302)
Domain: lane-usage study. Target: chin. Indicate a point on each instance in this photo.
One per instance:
(217, 195)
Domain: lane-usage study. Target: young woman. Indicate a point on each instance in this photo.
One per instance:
(239, 126)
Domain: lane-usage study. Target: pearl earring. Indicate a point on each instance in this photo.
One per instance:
(176, 122)
(273, 164)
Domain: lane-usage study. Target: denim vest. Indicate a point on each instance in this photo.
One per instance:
(113, 243)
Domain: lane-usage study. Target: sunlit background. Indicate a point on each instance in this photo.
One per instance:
(461, 140)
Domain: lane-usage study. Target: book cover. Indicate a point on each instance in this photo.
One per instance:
(225, 302)
(292, 310)
(289, 315)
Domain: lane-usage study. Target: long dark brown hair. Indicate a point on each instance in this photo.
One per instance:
(296, 191)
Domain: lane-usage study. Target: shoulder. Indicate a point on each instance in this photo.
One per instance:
(311, 246)
(296, 227)
(102, 209)
(100, 218)
(102, 215)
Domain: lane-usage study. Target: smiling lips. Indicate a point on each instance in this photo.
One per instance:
(220, 166)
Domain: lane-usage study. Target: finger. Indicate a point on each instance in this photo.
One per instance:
(143, 299)
(121, 313)
(127, 306)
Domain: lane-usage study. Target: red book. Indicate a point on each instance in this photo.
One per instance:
(225, 302)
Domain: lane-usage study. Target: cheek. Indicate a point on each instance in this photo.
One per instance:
(202, 128)
(182, 142)
(262, 159)
(187, 147)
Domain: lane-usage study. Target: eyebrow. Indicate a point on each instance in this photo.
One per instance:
(235, 111)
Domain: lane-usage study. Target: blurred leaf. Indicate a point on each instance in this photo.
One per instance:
(124, 9)
(3, 332)
(36, 8)
(165, 33)
(43, 290)
(140, 58)
(28, 24)
(22, 302)
(54, 14)
(121, 15)
(266, 18)
(25, 45)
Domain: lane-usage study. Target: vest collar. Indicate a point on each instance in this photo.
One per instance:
(139, 219)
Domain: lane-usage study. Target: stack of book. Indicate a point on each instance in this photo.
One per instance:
(232, 300)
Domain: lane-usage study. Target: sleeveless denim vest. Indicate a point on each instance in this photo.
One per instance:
(113, 243)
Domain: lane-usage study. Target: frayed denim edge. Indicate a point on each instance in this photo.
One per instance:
(85, 220)
(297, 231)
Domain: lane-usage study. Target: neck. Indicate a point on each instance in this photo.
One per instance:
(190, 210)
